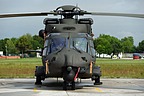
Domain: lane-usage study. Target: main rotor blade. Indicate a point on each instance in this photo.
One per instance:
(116, 14)
(25, 14)
(57, 13)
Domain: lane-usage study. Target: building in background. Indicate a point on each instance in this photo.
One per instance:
(1, 53)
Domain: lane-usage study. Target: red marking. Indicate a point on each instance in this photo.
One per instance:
(76, 74)
(9, 57)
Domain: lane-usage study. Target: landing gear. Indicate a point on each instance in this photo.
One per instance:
(69, 84)
(40, 74)
(96, 75)
(38, 80)
(97, 80)
(69, 76)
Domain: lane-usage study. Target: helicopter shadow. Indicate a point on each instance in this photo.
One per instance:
(54, 85)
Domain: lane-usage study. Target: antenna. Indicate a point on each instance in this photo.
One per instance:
(77, 5)
(76, 16)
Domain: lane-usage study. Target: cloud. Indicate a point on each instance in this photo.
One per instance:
(117, 26)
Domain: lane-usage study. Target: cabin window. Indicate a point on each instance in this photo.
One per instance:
(44, 51)
(93, 51)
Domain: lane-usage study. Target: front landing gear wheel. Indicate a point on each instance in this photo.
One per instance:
(38, 80)
(97, 81)
(68, 84)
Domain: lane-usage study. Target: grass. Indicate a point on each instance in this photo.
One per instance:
(24, 68)
(18, 68)
(121, 68)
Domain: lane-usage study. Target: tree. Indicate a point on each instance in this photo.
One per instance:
(2, 47)
(116, 45)
(128, 44)
(37, 42)
(24, 43)
(11, 49)
(107, 44)
(14, 40)
(102, 45)
(141, 46)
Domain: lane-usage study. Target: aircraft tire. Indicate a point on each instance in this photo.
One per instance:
(38, 80)
(97, 81)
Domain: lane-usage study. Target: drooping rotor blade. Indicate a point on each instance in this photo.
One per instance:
(26, 14)
(116, 14)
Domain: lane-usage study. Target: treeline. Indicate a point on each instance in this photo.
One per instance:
(20, 45)
(103, 44)
(108, 44)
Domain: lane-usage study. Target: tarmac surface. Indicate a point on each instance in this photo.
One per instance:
(50, 87)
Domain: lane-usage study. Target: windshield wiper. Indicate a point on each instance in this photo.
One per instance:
(76, 48)
(61, 48)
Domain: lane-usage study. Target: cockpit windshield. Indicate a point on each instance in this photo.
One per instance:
(75, 43)
(58, 44)
(79, 42)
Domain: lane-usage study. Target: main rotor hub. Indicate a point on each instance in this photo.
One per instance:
(69, 11)
(68, 8)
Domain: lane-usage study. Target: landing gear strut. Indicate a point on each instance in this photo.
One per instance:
(40, 74)
(70, 74)
(96, 73)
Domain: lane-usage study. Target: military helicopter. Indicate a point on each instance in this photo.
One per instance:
(68, 51)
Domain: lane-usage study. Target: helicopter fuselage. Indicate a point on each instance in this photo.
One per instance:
(68, 49)
(68, 44)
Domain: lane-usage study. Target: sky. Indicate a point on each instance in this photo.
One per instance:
(119, 27)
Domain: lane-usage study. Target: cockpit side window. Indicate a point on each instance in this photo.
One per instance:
(92, 50)
(46, 48)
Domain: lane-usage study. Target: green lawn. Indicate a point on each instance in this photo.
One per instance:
(120, 68)
(18, 68)
(25, 67)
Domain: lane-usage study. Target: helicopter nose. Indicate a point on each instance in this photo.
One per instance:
(68, 57)
(68, 60)
(71, 57)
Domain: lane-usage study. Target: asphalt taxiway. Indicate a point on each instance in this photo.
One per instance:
(50, 87)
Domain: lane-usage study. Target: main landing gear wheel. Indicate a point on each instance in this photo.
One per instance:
(38, 80)
(67, 84)
(97, 81)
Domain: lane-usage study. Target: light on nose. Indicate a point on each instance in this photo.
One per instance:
(69, 68)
